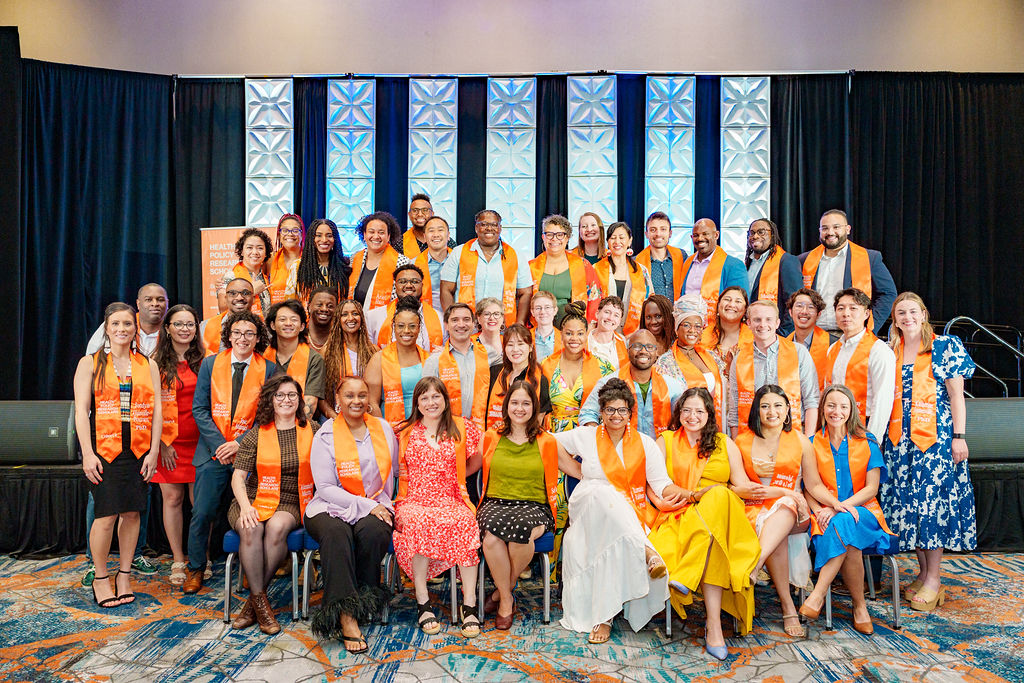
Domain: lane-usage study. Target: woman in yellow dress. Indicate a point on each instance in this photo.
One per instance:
(706, 540)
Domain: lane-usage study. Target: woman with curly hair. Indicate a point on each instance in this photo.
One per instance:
(347, 352)
(323, 263)
(253, 249)
(288, 244)
(371, 281)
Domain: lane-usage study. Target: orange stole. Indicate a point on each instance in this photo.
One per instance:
(923, 427)
(298, 366)
(427, 315)
(684, 468)
(628, 475)
(548, 454)
(859, 453)
(468, 262)
(711, 283)
(768, 279)
(494, 420)
(220, 394)
(448, 372)
(383, 281)
(107, 408)
(240, 271)
(169, 413)
(860, 270)
(788, 368)
(787, 467)
(637, 293)
(391, 376)
(346, 455)
(410, 247)
(819, 353)
(460, 464)
(678, 274)
(585, 285)
(695, 378)
(590, 374)
(856, 377)
(268, 470)
(660, 401)
(211, 335)
(278, 277)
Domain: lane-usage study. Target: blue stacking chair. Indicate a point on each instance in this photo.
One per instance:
(390, 565)
(231, 544)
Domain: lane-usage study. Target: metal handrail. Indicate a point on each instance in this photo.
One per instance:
(999, 341)
(986, 330)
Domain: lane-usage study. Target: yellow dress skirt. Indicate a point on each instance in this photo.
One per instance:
(717, 523)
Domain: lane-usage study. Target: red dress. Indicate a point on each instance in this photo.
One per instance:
(434, 520)
(184, 471)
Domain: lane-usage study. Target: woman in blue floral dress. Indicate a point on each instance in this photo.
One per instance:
(928, 498)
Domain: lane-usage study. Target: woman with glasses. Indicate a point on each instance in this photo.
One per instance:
(591, 244)
(272, 484)
(253, 249)
(288, 243)
(323, 263)
(688, 360)
(568, 276)
(490, 319)
(393, 371)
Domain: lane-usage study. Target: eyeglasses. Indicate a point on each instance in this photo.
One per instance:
(623, 411)
(697, 412)
(801, 306)
(295, 232)
(248, 334)
(421, 211)
(286, 395)
(493, 225)
(760, 232)
(408, 281)
(555, 235)
(238, 292)
(544, 309)
(490, 314)
(183, 326)
(644, 347)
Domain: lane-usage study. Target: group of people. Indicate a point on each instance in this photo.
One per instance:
(682, 424)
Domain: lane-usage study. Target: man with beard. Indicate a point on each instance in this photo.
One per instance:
(710, 270)
(322, 304)
(773, 273)
(151, 304)
(654, 392)
(805, 305)
(408, 282)
(663, 261)
(240, 294)
(839, 264)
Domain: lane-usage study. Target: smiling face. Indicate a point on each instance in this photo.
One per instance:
(555, 239)
(431, 403)
(659, 231)
(435, 234)
(704, 237)
(321, 309)
(690, 330)
(120, 327)
(619, 241)
(491, 318)
(615, 414)
(851, 317)
(182, 327)
(833, 231)
(406, 326)
(420, 212)
(243, 338)
(323, 239)
(377, 236)
(351, 318)
(574, 335)
(461, 325)
(239, 294)
(772, 411)
(543, 310)
(804, 313)
(287, 324)
(290, 234)
(520, 407)
(590, 231)
(654, 319)
(286, 400)
(152, 305)
(517, 350)
(643, 349)
(731, 306)
(254, 252)
(763, 322)
(353, 399)
(837, 411)
(608, 318)
(693, 415)
(409, 283)
(488, 230)
(759, 237)
(908, 316)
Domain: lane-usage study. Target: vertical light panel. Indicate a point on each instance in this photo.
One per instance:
(512, 159)
(269, 144)
(351, 132)
(746, 166)
(433, 142)
(593, 152)
(669, 156)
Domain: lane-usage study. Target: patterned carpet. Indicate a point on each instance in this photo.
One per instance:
(50, 630)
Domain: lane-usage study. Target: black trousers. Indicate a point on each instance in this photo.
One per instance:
(350, 554)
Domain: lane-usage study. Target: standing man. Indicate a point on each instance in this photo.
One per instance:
(408, 282)
(772, 273)
(862, 361)
(240, 295)
(487, 267)
(710, 270)
(771, 359)
(805, 305)
(414, 241)
(224, 408)
(436, 232)
(837, 264)
(462, 365)
(663, 262)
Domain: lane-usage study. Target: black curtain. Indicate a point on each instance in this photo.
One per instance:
(631, 131)
(97, 210)
(310, 148)
(809, 160)
(12, 283)
(209, 171)
(472, 155)
(391, 190)
(937, 161)
(552, 151)
(707, 150)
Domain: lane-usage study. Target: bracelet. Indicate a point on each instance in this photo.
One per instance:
(959, 435)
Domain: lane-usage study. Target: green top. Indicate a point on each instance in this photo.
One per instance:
(561, 286)
(517, 472)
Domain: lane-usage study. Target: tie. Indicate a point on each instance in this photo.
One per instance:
(237, 375)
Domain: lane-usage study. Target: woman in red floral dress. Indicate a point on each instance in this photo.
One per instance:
(435, 522)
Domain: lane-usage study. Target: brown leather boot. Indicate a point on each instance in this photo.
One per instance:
(193, 580)
(265, 614)
(245, 618)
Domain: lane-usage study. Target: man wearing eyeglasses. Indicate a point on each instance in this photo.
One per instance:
(240, 294)
(487, 267)
(408, 282)
(224, 408)
(414, 240)
(654, 392)
(773, 274)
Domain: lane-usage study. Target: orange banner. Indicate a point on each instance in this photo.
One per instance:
(218, 255)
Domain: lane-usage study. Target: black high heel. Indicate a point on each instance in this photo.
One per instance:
(126, 598)
(106, 603)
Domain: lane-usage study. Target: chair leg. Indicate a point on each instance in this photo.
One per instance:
(545, 563)
(307, 564)
(388, 569)
(227, 588)
(455, 602)
(481, 571)
(870, 576)
(828, 608)
(668, 618)
(895, 592)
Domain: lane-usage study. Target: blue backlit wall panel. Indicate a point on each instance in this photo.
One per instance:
(351, 162)
(592, 148)
(746, 169)
(512, 158)
(669, 168)
(433, 142)
(269, 145)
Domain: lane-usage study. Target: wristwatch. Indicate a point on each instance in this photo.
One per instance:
(959, 435)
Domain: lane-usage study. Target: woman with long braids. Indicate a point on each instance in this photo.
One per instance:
(347, 352)
(323, 263)
(656, 318)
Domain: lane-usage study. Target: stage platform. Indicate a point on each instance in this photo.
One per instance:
(51, 630)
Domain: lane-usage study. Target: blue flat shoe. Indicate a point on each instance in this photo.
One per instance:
(678, 587)
(719, 652)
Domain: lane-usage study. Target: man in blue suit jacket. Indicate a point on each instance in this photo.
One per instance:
(782, 277)
(245, 336)
(710, 271)
(839, 264)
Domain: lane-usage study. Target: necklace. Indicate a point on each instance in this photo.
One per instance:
(314, 341)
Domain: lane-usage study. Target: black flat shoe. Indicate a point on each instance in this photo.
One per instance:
(359, 651)
(125, 598)
(106, 603)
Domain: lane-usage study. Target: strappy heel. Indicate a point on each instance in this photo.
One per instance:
(125, 598)
(105, 603)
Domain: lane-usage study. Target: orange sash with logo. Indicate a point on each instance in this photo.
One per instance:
(788, 367)
(860, 270)
(628, 475)
(590, 374)
(859, 454)
(211, 335)
(678, 274)
(278, 277)
(460, 464)
(711, 283)
(220, 394)
(787, 467)
(684, 468)
(548, 447)
(661, 402)
(268, 470)
(448, 372)
(107, 408)
(468, 262)
(410, 246)
(298, 366)
(819, 353)
(695, 378)
(856, 370)
(637, 293)
(391, 376)
(768, 279)
(923, 428)
(169, 413)
(428, 316)
(585, 285)
(494, 420)
(383, 281)
(423, 263)
(346, 456)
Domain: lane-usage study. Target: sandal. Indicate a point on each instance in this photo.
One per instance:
(797, 631)
(125, 598)
(599, 636)
(106, 603)
(357, 651)
(470, 622)
(177, 577)
(912, 589)
(431, 626)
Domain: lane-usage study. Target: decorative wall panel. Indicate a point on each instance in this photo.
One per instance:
(351, 160)
(433, 142)
(269, 142)
(593, 148)
(746, 168)
(669, 155)
(512, 159)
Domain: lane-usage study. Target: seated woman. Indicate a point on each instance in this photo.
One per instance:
(118, 420)
(323, 263)
(347, 352)
(435, 522)
(841, 477)
(768, 479)
(490, 322)
(547, 337)
(393, 371)
(272, 483)
(705, 537)
(688, 360)
(605, 340)
(253, 249)
(520, 480)
(289, 348)
(288, 243)
(608, 566)
(353, 460)
(656, 318)
(520, 364)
